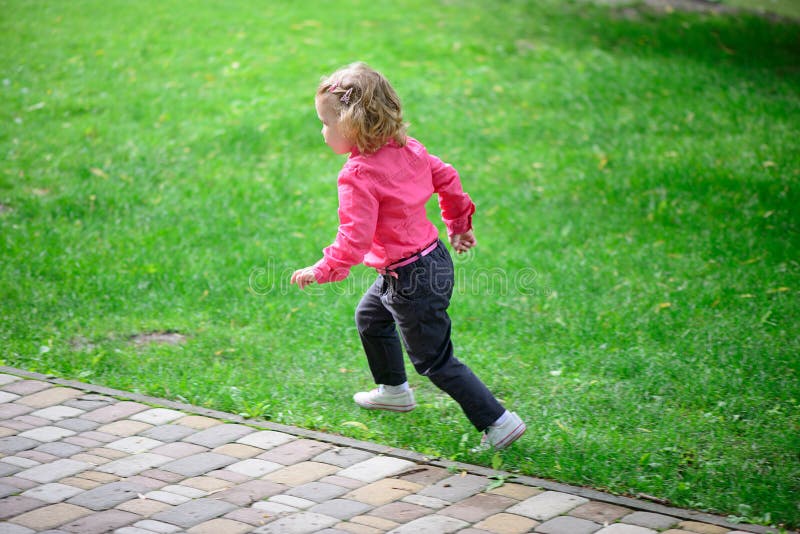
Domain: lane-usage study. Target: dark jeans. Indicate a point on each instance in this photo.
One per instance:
(415, 303)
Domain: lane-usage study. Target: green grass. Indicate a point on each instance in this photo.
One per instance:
(635, 290)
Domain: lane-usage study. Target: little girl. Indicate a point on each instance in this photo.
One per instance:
(383, 188)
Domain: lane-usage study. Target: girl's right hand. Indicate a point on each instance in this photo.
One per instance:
(303, 277)
(463, 242)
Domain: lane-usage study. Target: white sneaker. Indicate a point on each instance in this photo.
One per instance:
(503, 435)
(377, 399)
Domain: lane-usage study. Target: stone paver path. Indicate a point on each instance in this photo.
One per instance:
(82, 459)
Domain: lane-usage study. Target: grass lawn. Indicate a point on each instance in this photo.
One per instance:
(634, 295)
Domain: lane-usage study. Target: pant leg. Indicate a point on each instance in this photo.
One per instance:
(376, 327)
(418, 301)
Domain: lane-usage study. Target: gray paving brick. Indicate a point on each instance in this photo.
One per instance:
(622, 528)
(41, 457)
(265, 439)
(107, 496)
(100, 523)
(158, 416)
(86, 405)
(432, 524)
(343, 457)
(179, 449)
(253, 467)
(59, 448)
(47, 433)
(455, 488)
(11, 528)
(8, 469)
(133, 465)
(21, 483)
(14, 444)
(6, 490)
(115, 412)
(9, 411)
(219, 435)
(340, 508)
(248, 492)
(156, 526)
(568, 525)
(376, 468)
(199, 464)
(26, 387)
(194, 512)
(547, 505)
(168, 433)
(317, 491)
(57, 413)
(299, 523)
(54, 470)
(17, 504)
(8, 397)
(77, 425)
(650, 520)
(53, 492)
(295, 451)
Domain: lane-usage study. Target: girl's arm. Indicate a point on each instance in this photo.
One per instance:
(457, 208)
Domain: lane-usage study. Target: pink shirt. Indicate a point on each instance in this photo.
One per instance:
(382, 217)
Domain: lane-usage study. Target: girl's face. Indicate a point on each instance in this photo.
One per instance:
(331, 130)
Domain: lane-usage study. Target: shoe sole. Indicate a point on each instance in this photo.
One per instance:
(388, 407)
(513, 436)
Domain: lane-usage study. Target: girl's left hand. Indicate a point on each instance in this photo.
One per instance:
(303, 277)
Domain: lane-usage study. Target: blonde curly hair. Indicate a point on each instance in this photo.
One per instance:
(368, 107)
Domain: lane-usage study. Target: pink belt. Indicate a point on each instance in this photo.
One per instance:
(390, 269)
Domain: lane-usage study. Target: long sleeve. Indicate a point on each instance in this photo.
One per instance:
(358, 215)
(456, 206)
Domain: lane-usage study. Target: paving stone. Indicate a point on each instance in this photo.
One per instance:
(251, 516)
(302, 473)
(156, 526)
(237, 450)
(455, 488)
(340, 508)
(317, 491)
(82, 483)
(47, 433)
(8, 469)
(97, 476)
(198, 422)
(375, 522)
(125, 427)
(77, 424)
(425, 475)
(352, 528)
(186, 491)
(622, 528)
(101, 522)
(349, 483)
(336, 530)
(179, 449)
(41, 457)
(49, 397)
(505, 523)
(82, 403)
(146, 482)
(132, 530)
(6, 490)
(298, 523)
(26, 387)
(220, 526)
(17, 504)
(107, 496)
(115, 412)
(16, 424)
(400, 512)
(6, 378)
(135, 464)
(35, 422)
(51, 516)
(230, 476)
(249, 492)
(134, 444)
(111, 454)
(11, 528)
(198, 464)
(194, 512)
(206, 483)
(384, 491)
(166, 497)
(5, 432)
(254, 467)
(218, 435)
(52, 493)
(9, 411)
(568, 525)
(90, 459)
(295, 451)
(54, 470)
(21, 483)
(15, 444)
(432, 524)
(650, 520)
(294, 502)
(8, 397)
(519, 492)
(82, 442)
(274, 509)
(166, 476)
(547, 505)
(266, 439)
(143, 507)
(343, 457)
(427, 502)
(680, 531)
(57, 413)
(478, 507)
(157, 416)
(20, 461)
(376, 468)
(599, 512)
(701, 528)
(168, 433)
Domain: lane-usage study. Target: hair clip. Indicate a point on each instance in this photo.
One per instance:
(333, 86)
(346, 97)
